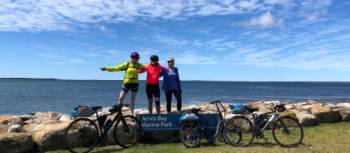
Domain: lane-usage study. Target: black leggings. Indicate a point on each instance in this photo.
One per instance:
(153, 91)
(177, 94)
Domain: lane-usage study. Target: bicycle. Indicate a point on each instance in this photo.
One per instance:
(191, 130)
(84, 133)
(286, 131)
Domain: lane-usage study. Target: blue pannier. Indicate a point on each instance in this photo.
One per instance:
(82, 111)
(238, 108)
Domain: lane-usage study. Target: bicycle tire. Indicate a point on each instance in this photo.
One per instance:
(137, 131)
(240, 129)
(301, 130)
(67, 135)
(192, 134)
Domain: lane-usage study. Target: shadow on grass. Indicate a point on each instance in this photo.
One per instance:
(108, 150)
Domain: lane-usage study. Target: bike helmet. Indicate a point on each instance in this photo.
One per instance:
(170, 58)
(135, 55)
(154, 58)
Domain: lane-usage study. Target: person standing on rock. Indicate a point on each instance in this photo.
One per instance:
(152, 83)
(131, 81)
(172, 84)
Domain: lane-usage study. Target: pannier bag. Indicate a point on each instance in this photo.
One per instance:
(238, 108)
(188, 118)
(82, 111)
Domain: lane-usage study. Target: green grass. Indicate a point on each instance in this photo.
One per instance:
(323, 138)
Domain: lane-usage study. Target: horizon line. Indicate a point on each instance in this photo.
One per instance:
(25, 78)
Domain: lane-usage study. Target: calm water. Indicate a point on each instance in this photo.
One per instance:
(20, 96)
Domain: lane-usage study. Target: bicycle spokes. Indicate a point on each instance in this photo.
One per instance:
(244, 128)
(288, 132)
(81, 135)
(127, 131)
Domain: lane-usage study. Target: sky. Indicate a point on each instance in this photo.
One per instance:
(225, 40)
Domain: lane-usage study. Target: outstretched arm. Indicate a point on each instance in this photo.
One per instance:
(120, 67)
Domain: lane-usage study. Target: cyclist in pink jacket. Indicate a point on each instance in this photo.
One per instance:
(152, 82)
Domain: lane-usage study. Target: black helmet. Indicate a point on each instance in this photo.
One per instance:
(135, 55)
(154, 58)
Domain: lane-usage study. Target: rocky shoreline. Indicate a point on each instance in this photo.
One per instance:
(45, 130)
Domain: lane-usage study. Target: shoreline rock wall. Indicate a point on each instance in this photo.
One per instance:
(20, 133)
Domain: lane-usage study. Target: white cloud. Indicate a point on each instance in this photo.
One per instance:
(104, 29)
(190, 57)
(264, 20)
(39, 15)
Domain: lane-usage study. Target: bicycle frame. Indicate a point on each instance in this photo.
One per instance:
(104, 131)
(218, 104)
(270, 121)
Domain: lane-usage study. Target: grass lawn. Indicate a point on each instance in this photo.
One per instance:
(323, 138)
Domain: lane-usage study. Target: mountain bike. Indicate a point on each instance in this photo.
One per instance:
(191, 131)
(286, 131)
(84, 133)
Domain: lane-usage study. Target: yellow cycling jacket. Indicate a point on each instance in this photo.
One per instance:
(131, 71)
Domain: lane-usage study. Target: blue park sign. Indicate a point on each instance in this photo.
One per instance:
(171, 122)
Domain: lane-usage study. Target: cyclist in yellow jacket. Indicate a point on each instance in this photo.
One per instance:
(131, 81)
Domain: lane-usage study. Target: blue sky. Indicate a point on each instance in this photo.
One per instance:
(236, 40)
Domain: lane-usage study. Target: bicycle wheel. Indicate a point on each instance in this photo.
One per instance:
(241, 131)
(127, 131)
(288, 132)
(190, 135)
(229, 135)
(81, 136)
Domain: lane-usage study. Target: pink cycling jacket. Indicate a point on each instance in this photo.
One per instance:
(153, 73)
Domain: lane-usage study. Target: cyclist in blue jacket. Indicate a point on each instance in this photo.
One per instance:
(172, 84)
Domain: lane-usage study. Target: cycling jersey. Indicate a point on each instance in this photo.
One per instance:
(153, 73)
(131, 71)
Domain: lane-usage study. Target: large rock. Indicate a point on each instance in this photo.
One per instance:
(306, 119)
(10, 120)
(50, 135)
(66, 118)
(345, 115)
(211, 107)
(16, 142)
(265, 106)
(15, 129)
(325, 114)
(41, 117)
(4, 128)
(288, 113)
(344, 111)
(25, 117)
(343, 105)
